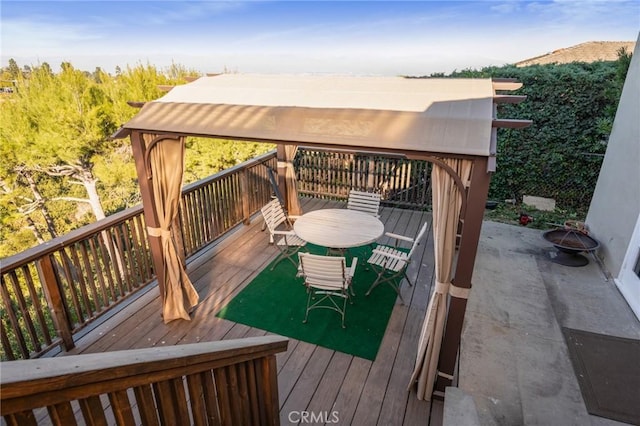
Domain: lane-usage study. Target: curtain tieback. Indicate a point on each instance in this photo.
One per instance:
(442, 288)
(285, 164)
(459, 292)
(159, 232)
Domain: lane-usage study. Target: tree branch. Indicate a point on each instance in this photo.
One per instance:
(29, 208)
(77, 200)
(60, 170)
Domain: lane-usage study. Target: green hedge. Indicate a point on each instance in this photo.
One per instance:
(572, 107)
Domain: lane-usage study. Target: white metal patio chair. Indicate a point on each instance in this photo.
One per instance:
(273, 179)
(367, 202)
(328, 282)
(391, 263)
(281, 233)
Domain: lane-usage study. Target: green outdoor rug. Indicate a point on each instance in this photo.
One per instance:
(276, 301)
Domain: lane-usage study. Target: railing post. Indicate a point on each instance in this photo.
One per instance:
(244, 187)
(371, 174)
(269, 385)
(53, 294)
(473, 216)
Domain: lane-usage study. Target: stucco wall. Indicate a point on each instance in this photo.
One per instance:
(615, 205)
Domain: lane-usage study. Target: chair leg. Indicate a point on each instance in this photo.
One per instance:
(326, 301)
(399, 294)
(391, 280)
(336, 252)
(264, 226)
(306, 315)
(286, 254)
(280, 258)
(408, 280)
(375, 283)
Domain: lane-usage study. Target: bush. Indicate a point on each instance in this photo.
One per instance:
(559, 156)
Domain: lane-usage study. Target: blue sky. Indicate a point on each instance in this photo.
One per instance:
(361, 37)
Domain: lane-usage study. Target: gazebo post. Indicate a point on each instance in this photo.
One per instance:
(149, 208)
(476, 201)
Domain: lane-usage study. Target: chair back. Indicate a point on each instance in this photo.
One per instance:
(274, 184)
(324, 272)
(273, 215)
(418, 239)
(368, 202)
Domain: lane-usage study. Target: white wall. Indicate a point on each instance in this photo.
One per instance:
(615, 205)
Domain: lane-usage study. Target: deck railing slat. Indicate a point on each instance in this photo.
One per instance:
(141, 249)
(27, 418)
(37, 306)
(210, 399)
(7, 349)
(252, 393)
(108, 269)
(100, 273)
(62, 414)
(87, 278)
(117, 246)
(224, 396)
(13, 318)
(121, 407)
(93, 410)
(196, 400)
(165, 403)
(24, 310)
(74, 261)
(146, 405)
(105, 255)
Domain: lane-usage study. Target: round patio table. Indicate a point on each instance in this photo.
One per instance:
(338, 228)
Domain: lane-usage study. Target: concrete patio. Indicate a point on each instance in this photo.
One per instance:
(514, 363)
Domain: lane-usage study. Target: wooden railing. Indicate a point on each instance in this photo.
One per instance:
(327, 174)
(77, 277)
(51, 292)
(232, 382)
(214, 205)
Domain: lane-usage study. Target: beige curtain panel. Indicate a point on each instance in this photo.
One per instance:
(166, 161)
(447, 202)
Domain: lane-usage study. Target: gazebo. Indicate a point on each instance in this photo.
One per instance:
(451, 123)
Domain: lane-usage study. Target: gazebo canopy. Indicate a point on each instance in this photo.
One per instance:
(447, 116)
(449, 122)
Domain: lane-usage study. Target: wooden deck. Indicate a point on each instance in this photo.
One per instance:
(310, 378)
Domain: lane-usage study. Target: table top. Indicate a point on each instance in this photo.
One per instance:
(338, 228)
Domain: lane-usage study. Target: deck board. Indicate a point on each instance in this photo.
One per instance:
(307, 383)
(327, 390)
(310, 378)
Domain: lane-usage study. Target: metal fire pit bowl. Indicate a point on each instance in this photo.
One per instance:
(570, 243)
